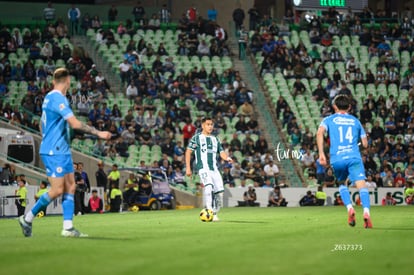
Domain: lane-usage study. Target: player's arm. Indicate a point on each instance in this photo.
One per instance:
(364, 142)
(225, 157)
(319, 140)
(364, 139)
(79, 125)
(188, 153)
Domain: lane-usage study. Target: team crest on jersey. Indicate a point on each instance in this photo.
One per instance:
(61, 106)
(59, 169)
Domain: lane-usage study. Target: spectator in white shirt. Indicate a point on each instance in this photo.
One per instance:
(131, 91)
(271, 171)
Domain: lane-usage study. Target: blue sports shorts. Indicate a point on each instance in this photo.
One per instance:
(57, 166)
(352, 168)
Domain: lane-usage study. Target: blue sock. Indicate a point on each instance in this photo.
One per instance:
(346, 198)
(364, 195)
(68, 206)
(41, 203)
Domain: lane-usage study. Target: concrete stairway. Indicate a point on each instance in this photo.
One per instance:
(266, 115)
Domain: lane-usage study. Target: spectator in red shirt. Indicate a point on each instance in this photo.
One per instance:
(188, 131)
(95, 204)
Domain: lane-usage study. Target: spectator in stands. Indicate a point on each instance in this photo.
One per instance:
(112, 13)
(188, 131)
(74, 16)
(319, 93)
(154, 22)
(271, 172)
(125, 71)
(329, 179)
(165, 14)
(238, 17)
(131, 91)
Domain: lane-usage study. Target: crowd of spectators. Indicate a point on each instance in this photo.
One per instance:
(160, 105)
(387, 117)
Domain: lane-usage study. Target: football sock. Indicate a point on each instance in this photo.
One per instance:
(41, 203)
(208, 196)
(364, 195)
(218, 202)
(346, 198)
(68, 206)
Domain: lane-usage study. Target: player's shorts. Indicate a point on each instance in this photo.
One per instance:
(352, 168)
(212, 178)
(57, 166)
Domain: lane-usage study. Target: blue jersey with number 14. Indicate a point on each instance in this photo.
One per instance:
(344, 132)
(55, 129)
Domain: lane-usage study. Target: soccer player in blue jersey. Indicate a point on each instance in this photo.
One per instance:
(206, 148)
(344, 132)
(55, 152)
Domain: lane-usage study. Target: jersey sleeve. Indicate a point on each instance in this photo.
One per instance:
(192, 145)
(324, 124)
(363, 134)
(219, 146)
(61, 106)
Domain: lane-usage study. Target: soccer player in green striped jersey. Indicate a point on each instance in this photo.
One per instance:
(206, 148)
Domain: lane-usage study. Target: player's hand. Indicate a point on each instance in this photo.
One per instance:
(188, 172)
(104, 135)
(322, 160)
(229, 160)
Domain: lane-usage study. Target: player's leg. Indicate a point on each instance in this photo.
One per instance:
(217, 193)
(341, 173)
(365, 201)
(208, 189)
(357, 175)
(68, 206)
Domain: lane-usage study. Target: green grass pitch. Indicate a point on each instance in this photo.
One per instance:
(315, 240)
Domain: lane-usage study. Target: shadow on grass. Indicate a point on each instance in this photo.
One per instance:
(394, 228)
(101, 238)
(258, 222)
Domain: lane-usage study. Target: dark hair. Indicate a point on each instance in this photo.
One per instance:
(94, 191)
(204, 119)
(342, 102)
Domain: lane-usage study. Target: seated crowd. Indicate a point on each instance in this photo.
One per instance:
(159, 115)
(386, 115)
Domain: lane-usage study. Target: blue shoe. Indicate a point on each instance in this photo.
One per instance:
(26, 227)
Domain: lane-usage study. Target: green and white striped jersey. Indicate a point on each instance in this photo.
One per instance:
(206, 149)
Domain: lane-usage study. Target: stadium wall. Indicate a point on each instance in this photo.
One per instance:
(8, 208)
(293, 195)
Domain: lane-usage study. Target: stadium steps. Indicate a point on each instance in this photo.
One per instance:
(105, 67)
(290, 172)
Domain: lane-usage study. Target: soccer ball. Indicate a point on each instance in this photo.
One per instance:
(40, 214)
(134, 208)
(206, 215)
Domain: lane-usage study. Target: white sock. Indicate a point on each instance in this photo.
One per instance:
(67, 224)
(208, 197)
(349, 206)
(366, 210)
(218, 202)
(29, 217)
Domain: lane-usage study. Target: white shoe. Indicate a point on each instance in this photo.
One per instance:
(79, 214)
(73, 233)
(216, 218)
